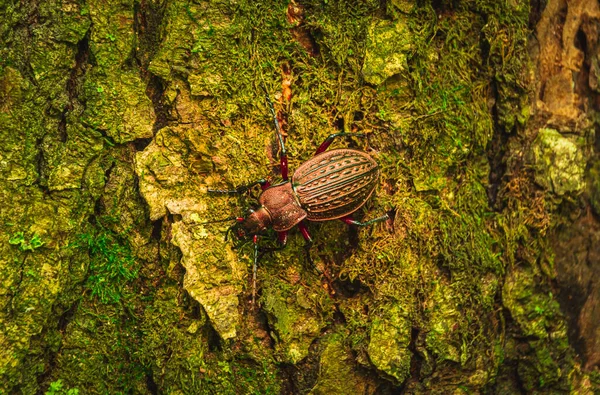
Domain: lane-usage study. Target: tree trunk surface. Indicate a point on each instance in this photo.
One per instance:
(116, 117)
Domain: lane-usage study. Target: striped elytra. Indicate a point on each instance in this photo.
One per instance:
(335, 183)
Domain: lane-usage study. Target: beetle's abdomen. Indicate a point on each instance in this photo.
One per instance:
(335, 183)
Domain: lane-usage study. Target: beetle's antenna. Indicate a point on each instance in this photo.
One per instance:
(282, 154)
(275, 121)
(219, 220)
(255, 240)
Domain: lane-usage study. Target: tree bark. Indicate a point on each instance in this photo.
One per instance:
(116, 117)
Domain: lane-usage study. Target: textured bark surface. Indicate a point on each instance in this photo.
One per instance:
(116, 116)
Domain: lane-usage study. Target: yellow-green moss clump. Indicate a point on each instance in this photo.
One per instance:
(296, 315)
(560, 163)
(388, 47)
(338, 372)
(389, 341)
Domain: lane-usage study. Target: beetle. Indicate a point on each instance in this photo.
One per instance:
(331, 185)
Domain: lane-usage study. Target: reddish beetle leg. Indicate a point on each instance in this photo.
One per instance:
(325, 144)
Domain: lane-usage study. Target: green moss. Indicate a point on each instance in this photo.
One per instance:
(115, 102)
(443, 338)
(559, 162)
(297, 316)
(112, 264)
(71, 23)
(338, 371)
(388, 45)
(26, 244)
(117, 106)
(595, 380)
(594, 186)
(67, 164)
(389, 341)
(533, 310)
(53, 172)
(23, 126)
(539, 317)
(56, 388)
(183, 361)
(98, 350)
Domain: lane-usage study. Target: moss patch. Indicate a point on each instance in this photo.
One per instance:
(560, 163)
(389, 341)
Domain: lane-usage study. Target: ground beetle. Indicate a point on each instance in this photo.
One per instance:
(331, 185)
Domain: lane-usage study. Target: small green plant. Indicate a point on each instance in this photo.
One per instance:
(112, 264)
(56, 388)
(25, 244)
(382, 114)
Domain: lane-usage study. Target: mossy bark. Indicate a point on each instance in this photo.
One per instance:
(116, 116)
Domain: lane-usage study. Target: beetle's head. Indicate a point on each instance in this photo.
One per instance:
(256, 221)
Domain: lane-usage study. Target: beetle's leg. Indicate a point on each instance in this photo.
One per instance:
(254, 266)
(309, 242)
(264, 184)
(282, 238)
(350, 221)
(283, 160)
(304, 230)
(329, 140)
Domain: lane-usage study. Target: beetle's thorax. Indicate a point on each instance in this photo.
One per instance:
(257, 221)
(283, 206)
